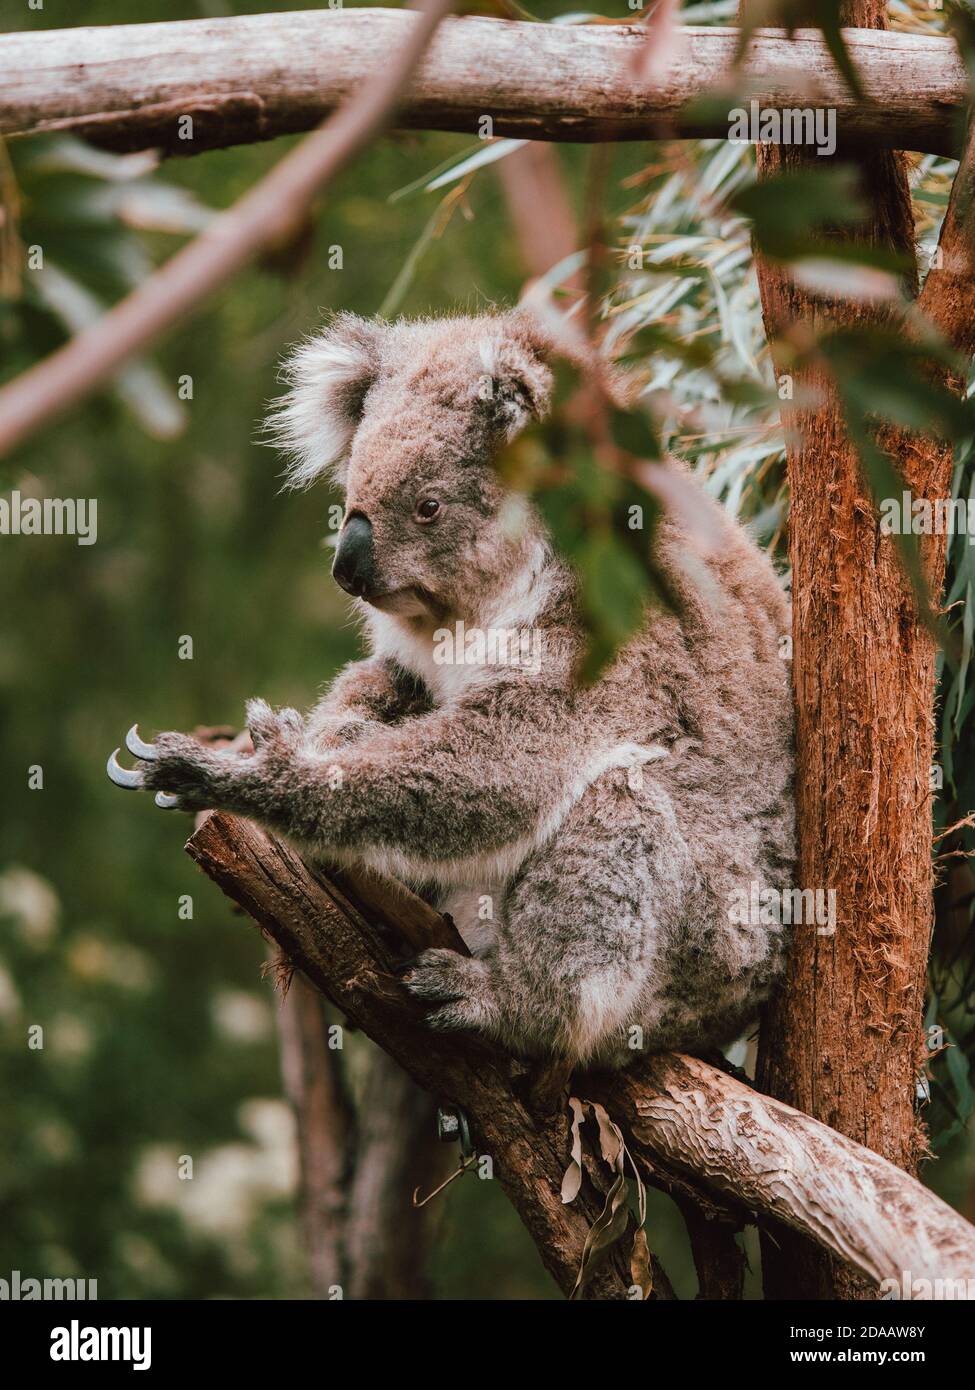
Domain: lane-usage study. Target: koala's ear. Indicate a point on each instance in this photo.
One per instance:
(517, 383)
(328, 376)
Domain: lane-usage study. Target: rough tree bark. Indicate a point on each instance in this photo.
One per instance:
(251, 77)
(314, 1085)
(360, 1157)
(691, 1129)
(843, 1040)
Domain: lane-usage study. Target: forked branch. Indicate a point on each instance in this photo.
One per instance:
(690, 1127)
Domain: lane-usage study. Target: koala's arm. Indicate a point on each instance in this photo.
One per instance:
(365, 696)
(446, 785)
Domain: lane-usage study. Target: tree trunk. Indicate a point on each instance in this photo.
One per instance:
(387, 1239)
(315, 1086)
(843, 1040)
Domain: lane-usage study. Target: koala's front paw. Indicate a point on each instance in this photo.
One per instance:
(460, 986)
(192, 776)
(184, 768)
(180, 770)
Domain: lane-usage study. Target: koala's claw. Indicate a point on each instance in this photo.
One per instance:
(186, 775)
(138, 746)
(134, 779)
(130, 778)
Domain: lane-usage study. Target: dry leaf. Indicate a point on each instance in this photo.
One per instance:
(604, 1232)
(572, 1180)
(610, 1138)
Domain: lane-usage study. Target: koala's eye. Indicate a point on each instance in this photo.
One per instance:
(427, 509)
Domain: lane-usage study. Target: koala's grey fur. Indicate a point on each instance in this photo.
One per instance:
(587, 841)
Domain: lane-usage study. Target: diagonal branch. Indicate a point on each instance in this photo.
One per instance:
(691, 1128)
(348, 951)
(261, 218)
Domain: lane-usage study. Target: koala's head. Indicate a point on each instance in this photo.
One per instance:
(409, 418)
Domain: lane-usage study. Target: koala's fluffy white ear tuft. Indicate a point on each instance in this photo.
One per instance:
(328, 376)
(520, 380)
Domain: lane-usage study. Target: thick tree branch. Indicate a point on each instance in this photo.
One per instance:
(262, 218)
(683, 1120)
(350, 957)
(251, 77)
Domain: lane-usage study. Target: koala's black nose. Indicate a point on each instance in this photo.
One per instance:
(353, 568)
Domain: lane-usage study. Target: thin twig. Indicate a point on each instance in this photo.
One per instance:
(262, 217)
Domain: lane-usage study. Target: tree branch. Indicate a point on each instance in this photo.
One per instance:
(718, 1260)
(689, 1127)
(350, 957)
(324, 1118)
(251, 77)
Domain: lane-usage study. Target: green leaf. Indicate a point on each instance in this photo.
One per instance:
(789, 211)
(455, 167)
(635, 431)
(615, 591)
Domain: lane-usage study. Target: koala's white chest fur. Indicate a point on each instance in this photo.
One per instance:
(453, 660)
(447, 680)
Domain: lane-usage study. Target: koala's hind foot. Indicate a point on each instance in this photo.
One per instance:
(579, 969)
(459, 986)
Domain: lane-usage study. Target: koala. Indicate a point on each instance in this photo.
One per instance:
(589, 841)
